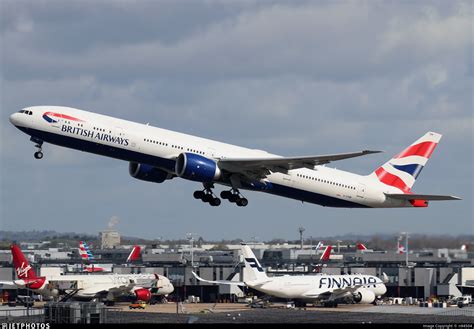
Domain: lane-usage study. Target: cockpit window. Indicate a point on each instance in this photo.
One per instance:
(21, 111)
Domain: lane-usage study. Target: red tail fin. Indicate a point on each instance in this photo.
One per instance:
(361, 246)
(134, 254)
(326, 253)
(23, 269)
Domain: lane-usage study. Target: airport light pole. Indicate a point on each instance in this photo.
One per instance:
(191, 240)
(406, 246)
(301, 230)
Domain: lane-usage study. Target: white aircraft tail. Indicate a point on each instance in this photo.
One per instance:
(253, 271)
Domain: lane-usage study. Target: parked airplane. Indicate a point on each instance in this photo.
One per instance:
(157, 155)
(400, 248)
(87, 287)
(328, 289)
(134, 254)
(326, 253)
(86, 255)
(361, 246)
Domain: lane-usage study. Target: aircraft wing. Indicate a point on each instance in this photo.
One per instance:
(237, 283)
(262, 167)
(429, 197)
(8, 283)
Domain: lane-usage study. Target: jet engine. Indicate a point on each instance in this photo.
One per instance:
(148, 173)
(143, 294)
(197, 168)
(364, 296)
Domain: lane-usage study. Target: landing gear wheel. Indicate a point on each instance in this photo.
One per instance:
(215, 202)
(199, 194)
(234, 196)
(207, 196)
(242, 202)
(38, 155)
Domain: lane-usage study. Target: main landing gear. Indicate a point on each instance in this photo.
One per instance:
(234, 196)
(208, 196)
(39, 143)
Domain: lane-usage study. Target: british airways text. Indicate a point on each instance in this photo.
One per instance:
(96, 135)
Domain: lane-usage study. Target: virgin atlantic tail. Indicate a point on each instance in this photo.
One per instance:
(22, 268)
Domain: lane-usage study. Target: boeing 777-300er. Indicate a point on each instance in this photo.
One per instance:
(328, 289)
(89, 286)
(156, 155)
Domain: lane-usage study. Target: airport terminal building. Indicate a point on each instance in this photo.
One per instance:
(420, 274)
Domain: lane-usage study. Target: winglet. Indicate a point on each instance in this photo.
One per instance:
(385, 277)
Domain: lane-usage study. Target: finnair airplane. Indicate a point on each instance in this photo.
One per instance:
(156, 155)
(328, 289)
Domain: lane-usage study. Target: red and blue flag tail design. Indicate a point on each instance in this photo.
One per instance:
(404, 168)
(52, 117)
(84, 251)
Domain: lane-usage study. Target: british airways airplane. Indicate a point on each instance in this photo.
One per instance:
(156, 155)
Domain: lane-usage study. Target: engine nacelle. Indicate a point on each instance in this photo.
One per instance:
(143, 294)
(364, 296)
(148, 173)
(197, 168)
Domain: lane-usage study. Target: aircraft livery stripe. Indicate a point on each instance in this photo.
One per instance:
(392, 180)
(424, 149)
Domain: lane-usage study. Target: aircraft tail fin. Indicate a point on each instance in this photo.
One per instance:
(253, 271)
(134, 254)
(22, 268)
(361, 246)
(85, 252)
(404, 168)
(400, 248)
(326, 253)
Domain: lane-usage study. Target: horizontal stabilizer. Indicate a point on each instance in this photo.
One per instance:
(428, 197)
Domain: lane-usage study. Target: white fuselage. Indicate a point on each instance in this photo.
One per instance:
(313, 287)
(158, 147)
(90, 286)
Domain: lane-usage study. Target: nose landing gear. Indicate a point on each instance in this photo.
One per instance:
(234, 196)
(39, 143)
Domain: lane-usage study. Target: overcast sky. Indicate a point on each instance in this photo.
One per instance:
(290, 77)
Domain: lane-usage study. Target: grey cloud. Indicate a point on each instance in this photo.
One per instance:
(290, 78)
(271, 40)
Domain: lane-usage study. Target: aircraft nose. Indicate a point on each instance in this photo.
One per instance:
(14, 119)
